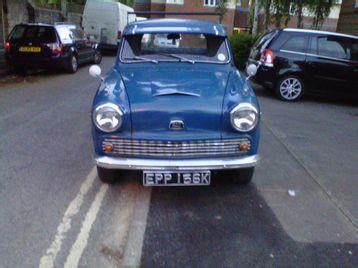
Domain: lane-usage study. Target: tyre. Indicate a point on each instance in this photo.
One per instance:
(290, 88)
(240, 176)
(72, 64)
(107, 175)
(97, 58)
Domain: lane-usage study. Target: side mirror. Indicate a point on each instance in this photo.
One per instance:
(95, 71)
(251, 70)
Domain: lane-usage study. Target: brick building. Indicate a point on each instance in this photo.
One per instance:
(189, 6)
(348, 18)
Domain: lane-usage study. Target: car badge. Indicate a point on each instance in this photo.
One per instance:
(176, 125)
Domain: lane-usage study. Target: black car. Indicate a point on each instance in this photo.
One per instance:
(37, 45)
(296, 61)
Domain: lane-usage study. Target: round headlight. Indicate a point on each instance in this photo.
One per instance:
(107, 117)
(244, 117)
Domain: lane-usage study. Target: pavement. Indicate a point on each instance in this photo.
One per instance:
(300, 209)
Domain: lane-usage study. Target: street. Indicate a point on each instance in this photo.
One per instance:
(300, 209)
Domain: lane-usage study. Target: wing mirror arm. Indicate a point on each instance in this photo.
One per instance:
(251, 70)
(95, 71)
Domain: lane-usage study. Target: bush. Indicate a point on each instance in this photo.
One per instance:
(241, 45)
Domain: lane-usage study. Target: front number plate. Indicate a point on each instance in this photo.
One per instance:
(176, 178)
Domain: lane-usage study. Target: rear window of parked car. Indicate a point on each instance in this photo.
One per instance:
(264, 40)
(296, 43)
(34, 33)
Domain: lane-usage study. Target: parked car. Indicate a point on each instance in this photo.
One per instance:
(175, 112)
(37, 45)
(296, 61)
(104, 22)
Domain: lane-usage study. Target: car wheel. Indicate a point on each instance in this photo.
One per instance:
(107, 175)
(290, 88)
(97, 58)
(240, 176)
(73, 64)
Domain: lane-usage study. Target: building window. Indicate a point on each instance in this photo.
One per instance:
(356, 5)
(211, 3)
(175, 2)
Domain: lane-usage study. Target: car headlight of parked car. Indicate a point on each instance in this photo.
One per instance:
(244, 117)
(108, 117)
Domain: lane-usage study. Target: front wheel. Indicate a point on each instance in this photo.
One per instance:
(290, 88)
(97, 57)
(240, 176)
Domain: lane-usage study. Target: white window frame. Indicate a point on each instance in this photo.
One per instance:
(175, 2)
(211, 3)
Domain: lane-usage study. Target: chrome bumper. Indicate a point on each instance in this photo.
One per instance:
(178, 164)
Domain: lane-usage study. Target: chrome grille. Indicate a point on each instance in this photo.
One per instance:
(193, 148)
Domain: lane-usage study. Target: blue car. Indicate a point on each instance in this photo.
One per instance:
(175, 107)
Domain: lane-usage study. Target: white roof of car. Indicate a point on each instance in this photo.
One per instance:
(319, 32)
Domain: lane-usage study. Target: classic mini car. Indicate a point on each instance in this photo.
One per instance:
(176, 112)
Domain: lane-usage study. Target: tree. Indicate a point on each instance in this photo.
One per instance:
(222, 8)
(282, 12)
(321, 10)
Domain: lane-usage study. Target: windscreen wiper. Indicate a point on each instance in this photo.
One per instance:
(142, 58)
(181, 58)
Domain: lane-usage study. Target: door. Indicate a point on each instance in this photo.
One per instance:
(329, 63)
(83, 45)
(354, 61)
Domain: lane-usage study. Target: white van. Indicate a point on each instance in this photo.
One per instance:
(104, 21)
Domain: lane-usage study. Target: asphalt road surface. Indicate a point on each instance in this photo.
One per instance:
(54, 212)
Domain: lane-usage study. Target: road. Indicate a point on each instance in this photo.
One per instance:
(54, 212)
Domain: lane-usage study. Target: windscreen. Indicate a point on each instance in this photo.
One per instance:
(174, 47)
(34, 33)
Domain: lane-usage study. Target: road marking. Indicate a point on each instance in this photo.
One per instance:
(82, 239)
(133, 251)
(47, 261)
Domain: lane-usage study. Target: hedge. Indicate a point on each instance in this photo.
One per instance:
(241, 45)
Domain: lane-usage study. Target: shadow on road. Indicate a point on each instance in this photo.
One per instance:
(226, 225)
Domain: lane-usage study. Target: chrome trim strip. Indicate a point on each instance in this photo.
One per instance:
(315, 55)
(185, 164)
(293, 52)
(198, 148)
(319, 32)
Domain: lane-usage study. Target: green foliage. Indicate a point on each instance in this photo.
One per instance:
(279, 10)
(241, 45)
(320, 9)
(222, 8)
(127, 2)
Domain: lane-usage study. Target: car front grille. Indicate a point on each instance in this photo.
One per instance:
(161, 149)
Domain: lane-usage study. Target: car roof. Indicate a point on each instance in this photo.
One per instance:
(37, 24)
(319, 32)
(175, 26)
